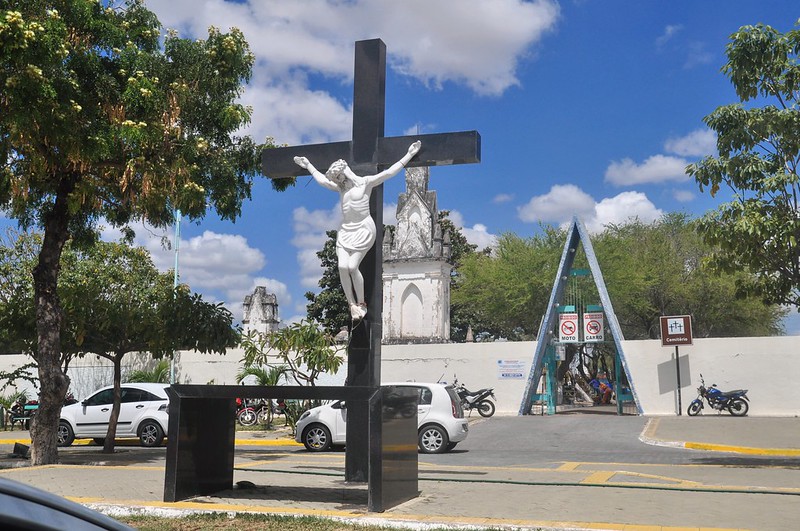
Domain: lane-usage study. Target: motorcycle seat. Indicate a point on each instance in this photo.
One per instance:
(735, 392)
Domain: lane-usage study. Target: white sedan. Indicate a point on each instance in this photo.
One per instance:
(142, 414)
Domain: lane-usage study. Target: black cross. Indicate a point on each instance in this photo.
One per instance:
(368, 153)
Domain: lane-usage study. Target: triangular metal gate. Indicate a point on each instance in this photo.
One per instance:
(577, 234)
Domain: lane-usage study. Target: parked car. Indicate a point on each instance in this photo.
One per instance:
(25, 508)
(142, 414)
(440, 421)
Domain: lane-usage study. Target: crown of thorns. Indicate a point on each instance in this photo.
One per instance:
(336, 168)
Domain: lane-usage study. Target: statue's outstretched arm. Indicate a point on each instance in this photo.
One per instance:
(316, 174)
(395, 168)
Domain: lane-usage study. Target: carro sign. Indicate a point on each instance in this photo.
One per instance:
(676, 330)
(593, 327)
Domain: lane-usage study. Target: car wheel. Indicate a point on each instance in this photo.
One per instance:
(433, 440)
(486, 408)
(64, 436)
(317, 438)
(738, 408)
(150, 433)
(99, 441)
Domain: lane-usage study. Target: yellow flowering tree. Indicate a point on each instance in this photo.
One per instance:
(101, 120)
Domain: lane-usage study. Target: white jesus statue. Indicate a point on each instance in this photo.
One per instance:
(357, 232)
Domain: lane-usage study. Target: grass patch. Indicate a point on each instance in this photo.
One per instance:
(247, 522)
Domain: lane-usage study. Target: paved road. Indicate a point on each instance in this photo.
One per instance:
(558, 472)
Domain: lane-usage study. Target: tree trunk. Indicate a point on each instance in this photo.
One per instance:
(53, 382)
(108, 445)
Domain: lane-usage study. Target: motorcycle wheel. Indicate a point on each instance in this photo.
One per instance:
(694, 408)
(485, 408)
(738, 407)
(246, 417)
(263, 415)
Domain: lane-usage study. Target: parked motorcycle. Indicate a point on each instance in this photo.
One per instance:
(736, 402)
(475, 399)
(250, 412)
(247, 411)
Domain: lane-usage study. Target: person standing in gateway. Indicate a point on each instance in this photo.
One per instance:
(357, 233)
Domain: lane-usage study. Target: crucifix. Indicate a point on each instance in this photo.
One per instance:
(370, 152)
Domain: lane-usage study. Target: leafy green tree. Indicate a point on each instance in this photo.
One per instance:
(329, 307)
(303, 347)
(650, 269)
(759, 151)
(655, 269)
(115, 302)
(507, 291)
(160, 373)
(97, 121)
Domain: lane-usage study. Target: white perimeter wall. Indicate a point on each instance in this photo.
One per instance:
(768, 367)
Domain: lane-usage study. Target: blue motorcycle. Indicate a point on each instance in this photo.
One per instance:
(736, 402)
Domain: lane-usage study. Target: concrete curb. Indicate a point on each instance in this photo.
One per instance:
(648, 436)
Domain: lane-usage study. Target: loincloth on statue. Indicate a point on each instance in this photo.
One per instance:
(356, 236)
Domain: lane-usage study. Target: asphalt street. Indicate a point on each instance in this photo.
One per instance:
(553, 472)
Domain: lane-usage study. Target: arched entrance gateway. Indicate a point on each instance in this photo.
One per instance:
(576, 363)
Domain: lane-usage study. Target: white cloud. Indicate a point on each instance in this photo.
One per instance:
(684, 196)
(502, 198)
(563, 202)
(698, 143)
(698, 55)
(656, 169)
(559, 205)
(390, 213)
(309, 238)
(621, 208)
(428, 40)
(669, 32)
(221, 267)
(478, 234)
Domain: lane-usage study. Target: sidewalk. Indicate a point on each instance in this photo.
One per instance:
(290, 482)
(765, 436)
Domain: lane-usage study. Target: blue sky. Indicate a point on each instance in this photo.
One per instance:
(584, 107)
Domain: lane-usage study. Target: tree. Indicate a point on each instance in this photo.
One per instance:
(507, 291)
(160, 373)
(115, 302)
(655, 269)
(97, 122)
(303, 347)
(759, 151)
(329, 307)
(650, 269)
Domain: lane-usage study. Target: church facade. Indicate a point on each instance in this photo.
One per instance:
(416, 268)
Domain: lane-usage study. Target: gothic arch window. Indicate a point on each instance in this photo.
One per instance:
(411, 318)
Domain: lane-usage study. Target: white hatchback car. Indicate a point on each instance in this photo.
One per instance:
(440, 421)
(142, 414)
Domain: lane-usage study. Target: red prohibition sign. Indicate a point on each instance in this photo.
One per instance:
(593, 327)
(568, 328)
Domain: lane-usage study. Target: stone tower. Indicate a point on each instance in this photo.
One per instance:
(416, 270)
(260, 312)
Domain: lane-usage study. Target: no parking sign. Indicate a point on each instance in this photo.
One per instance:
(593, 327)
(568, 328)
